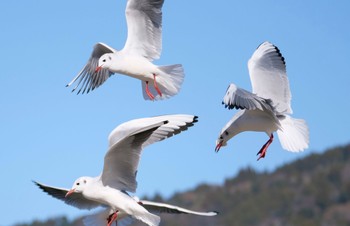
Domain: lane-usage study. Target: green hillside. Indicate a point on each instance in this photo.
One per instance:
(314, 190)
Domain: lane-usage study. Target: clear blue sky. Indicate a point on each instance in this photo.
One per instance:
(54, 136)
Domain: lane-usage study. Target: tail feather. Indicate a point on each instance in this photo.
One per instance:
(169, 82)
(294, 134)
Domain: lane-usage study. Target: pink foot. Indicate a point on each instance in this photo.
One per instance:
(263, 150)
(149, 94)
(156, 86)
(111, 218)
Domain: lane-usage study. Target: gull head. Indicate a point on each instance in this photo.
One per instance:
(105, 61)
(222, 140)
(79, 185)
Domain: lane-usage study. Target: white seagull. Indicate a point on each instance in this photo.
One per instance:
(143, 45)
(120, 167)
(99, 219)
(268, 108)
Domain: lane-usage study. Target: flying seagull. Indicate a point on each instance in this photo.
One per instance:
(143, 45)
(118, 176)
(99, 218)
(267, 108)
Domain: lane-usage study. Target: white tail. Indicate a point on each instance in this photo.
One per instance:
(294, 135)
(169, 82)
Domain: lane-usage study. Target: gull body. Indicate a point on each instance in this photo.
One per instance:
(267, 108)
(118, 176)
(99, 218)
(143, 45)
(252, 120)
(94, 190)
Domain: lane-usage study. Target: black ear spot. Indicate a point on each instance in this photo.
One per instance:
(84, 181)
(110, 58)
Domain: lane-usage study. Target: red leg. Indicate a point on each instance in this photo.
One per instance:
(150, 95)
(156, 86)
(111, 218)
(263, 150)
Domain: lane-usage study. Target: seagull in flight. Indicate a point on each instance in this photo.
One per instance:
(99, 218)
(110, 189)
(268, 107)
(143, 45)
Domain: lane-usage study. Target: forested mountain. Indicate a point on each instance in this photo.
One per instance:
(314, 190)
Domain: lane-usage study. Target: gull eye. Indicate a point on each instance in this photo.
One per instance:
(104, 60)
(78, 183)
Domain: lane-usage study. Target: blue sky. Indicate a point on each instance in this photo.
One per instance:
(53, 136)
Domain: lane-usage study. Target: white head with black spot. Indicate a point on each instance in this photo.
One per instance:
(105, 61)
(79, 185)
(222, 140)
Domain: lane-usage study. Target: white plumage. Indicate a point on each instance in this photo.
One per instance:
(99, 218)
(143, 45)
(120, 167)
(267, 108)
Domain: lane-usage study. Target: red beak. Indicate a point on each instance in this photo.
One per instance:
(218, 146)
(98, 69)
(70, 192)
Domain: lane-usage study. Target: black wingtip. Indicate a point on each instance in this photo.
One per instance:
(279, 54)
(38, 184)
(195, 119)
(165, 122)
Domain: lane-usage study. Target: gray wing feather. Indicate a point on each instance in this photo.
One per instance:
(122, 160)
(127, 141)
(144, 19)
(238, 98)
(176, 125)
(267, 70)
(75, 199)
(87, 78)
(157, 207)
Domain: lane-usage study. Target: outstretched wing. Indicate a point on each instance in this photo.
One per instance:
(238, 98)
(144, 20)
(75, 199)
(157, 207)
(127, 141)
(268, 76)
(123, 219)
(88, 79)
